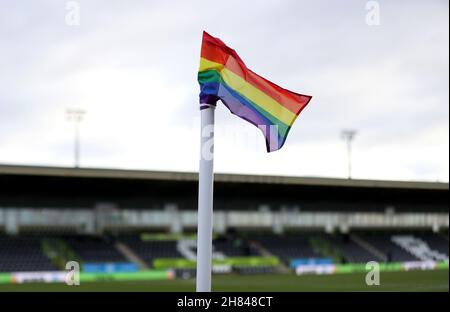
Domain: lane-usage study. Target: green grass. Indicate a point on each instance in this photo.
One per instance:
(390, 281)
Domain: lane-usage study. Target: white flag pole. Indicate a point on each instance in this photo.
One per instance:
(205, 199)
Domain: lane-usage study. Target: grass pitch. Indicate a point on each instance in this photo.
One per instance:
(390, 281)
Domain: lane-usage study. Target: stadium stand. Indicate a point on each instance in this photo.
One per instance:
(94, 248)
(350, 250)
(418, 247)
(149, 250)
(234, 247)
(436, 242)
(288, 246)
(98, 216)
(383, 242)
(23, 253)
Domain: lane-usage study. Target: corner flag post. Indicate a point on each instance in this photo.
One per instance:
(205, 199)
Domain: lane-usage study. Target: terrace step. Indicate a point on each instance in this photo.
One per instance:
(368, 247)
(130, 255)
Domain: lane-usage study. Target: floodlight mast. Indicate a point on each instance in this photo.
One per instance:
(76, 116)
(348, 135)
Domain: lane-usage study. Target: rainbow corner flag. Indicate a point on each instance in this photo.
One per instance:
(224, 76)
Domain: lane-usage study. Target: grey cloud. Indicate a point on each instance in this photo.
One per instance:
(388, 81)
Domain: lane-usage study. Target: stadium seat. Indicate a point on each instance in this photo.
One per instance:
(23, 253)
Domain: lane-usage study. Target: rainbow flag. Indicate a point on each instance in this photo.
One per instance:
(224, 76)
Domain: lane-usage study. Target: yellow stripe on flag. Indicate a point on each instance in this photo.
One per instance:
(249, 91)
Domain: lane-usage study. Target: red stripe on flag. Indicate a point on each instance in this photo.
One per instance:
(215, 50)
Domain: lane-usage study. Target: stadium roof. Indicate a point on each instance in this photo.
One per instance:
(219, 177)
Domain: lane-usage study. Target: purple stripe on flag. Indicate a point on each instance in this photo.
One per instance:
(236, 107)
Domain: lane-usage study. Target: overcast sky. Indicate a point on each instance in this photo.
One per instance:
(132, 65)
